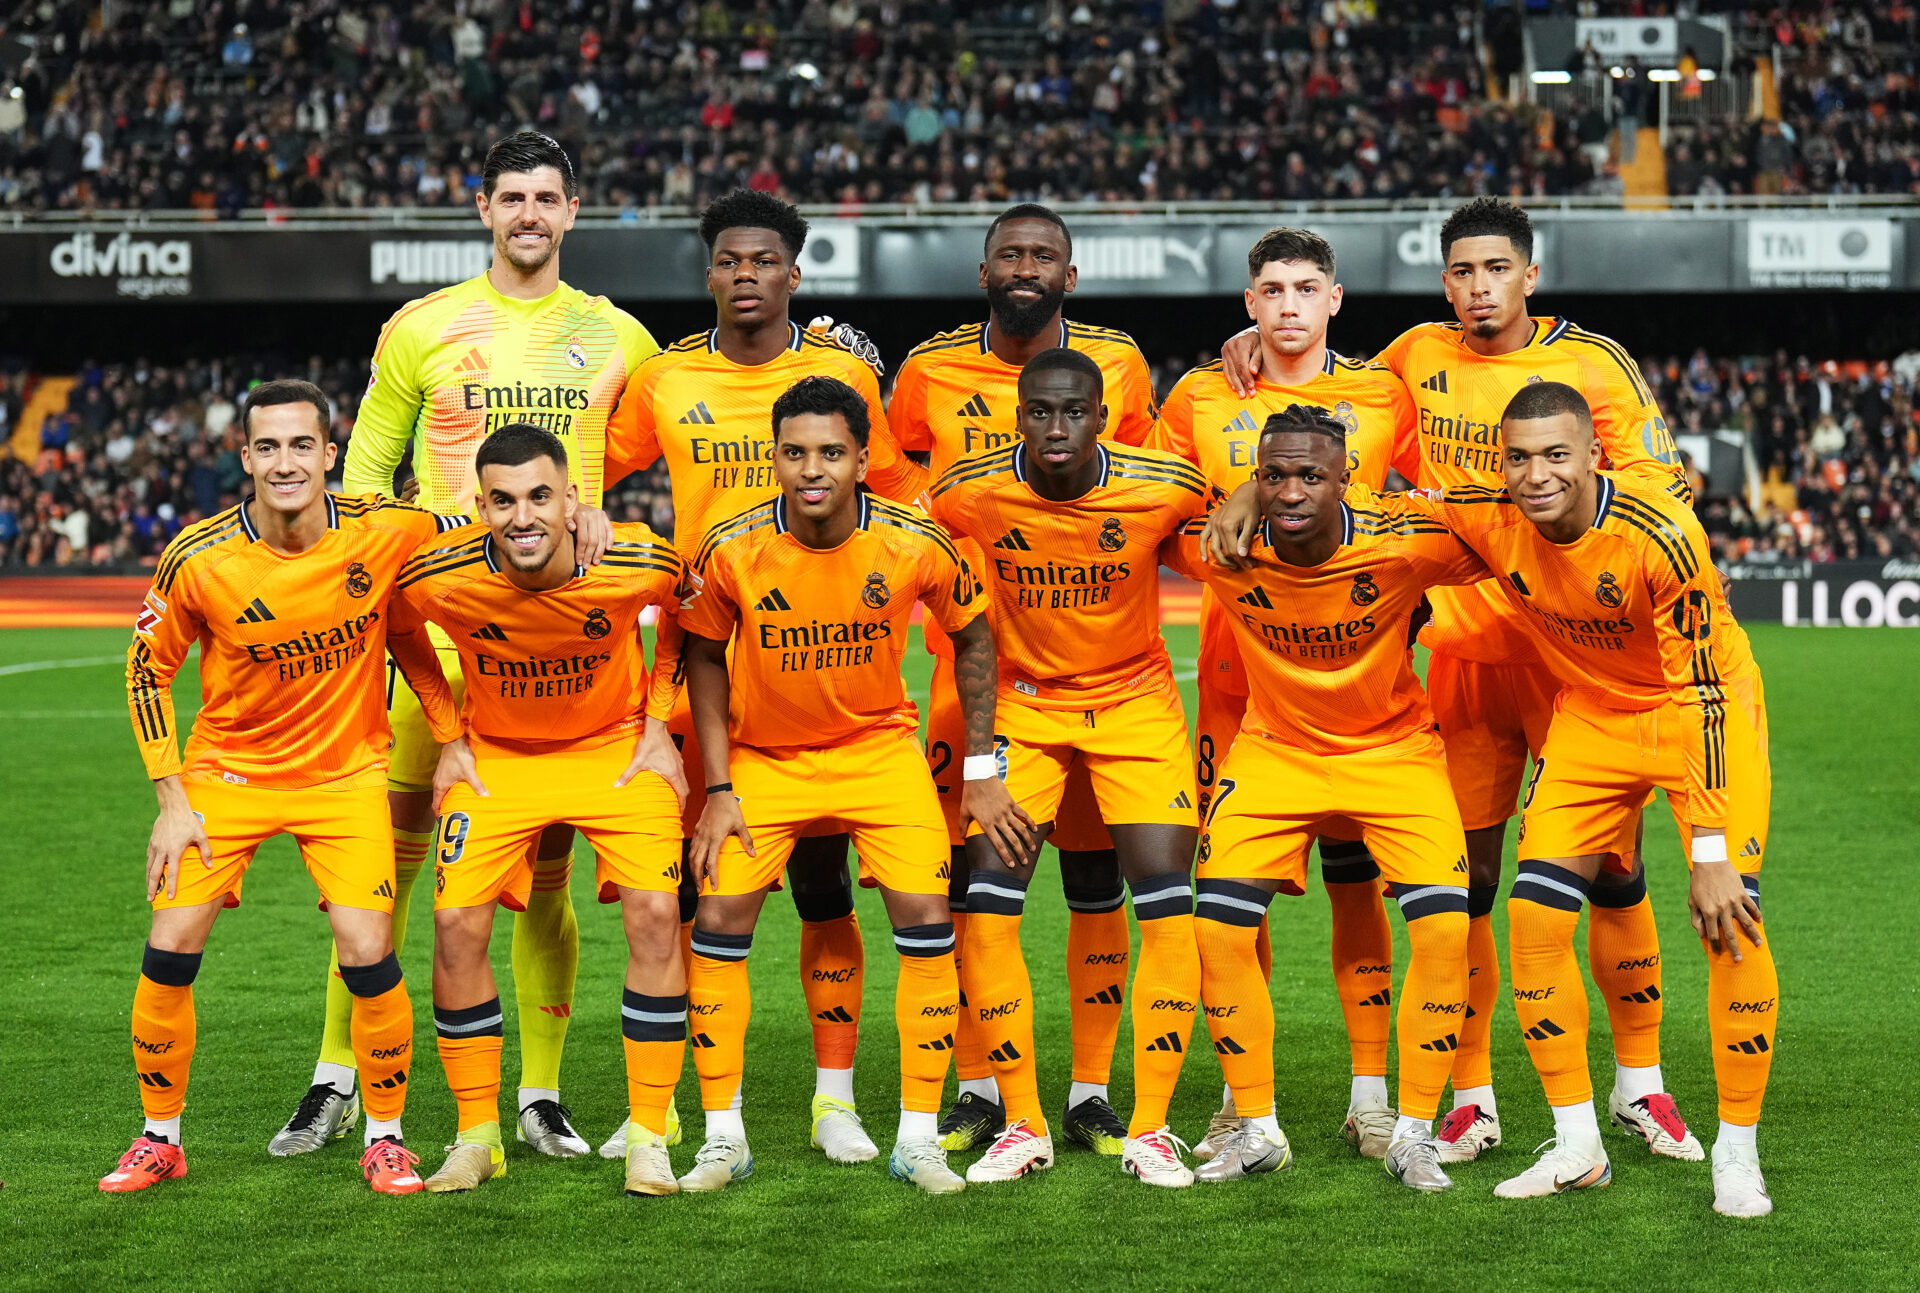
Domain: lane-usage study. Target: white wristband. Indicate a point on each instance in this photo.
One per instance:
(1709, 847)
(980, 767)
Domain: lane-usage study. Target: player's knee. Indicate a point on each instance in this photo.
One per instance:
(169, 967)
(1484, 847)
(1436, 916)
(996, 892)
(373, 979)
(1227, 916)
(1543, 907)
(1090, 880)
(927, 940)
(1347, 862)
(1611, 889)
(1156, 897)
(816, 906)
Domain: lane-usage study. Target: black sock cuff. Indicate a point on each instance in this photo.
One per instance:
(1090, 880)
(375, 980)
(1158, 896)
(456, 1023)
(1619, 896)
(1480, 899)
(653, 1019)
(170, 969)
(924, 940)
(1417, 900)
(817, 906)
(1230, 902)
(1550, 886)
(721, 947)
(996, 893)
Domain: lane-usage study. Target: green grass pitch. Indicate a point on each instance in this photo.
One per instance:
(1838, 1130)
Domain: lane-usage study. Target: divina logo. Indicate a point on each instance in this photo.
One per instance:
(144, 268)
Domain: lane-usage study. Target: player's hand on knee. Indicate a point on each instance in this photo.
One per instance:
(655, 752)
(719, 819)
(1006, 825)
(1240, 360)
(1722, 908)
(592, 534)
(175, 831)
(1229, 535)
(456, 765)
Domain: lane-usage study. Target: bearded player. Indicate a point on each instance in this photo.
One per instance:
(957, 395)
(515, 344)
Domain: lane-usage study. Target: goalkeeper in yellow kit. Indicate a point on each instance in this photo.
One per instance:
(513, 345)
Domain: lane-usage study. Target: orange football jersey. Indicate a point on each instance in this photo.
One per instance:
(818, 636)
(1326, 646)
(1460, 396)
(713, 421)
(1075, 586)
(1630, 614)
(565, 665)
(1204, 422)
(292, 645)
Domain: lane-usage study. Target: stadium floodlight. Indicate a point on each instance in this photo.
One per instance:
(1706, 74)
(806, 71)
(1663, 74)
(1552, 78)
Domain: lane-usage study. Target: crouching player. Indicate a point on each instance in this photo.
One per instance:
(1073, 528)
(287, 595)
(554, 733)
(809, 723)
(1613, 580)
(1337, 732)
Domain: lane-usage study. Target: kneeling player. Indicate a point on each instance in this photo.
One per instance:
(1613, 580)
(555, 675)
(1073, 528)
(287, 594)
(808, 723)
(1337, 730)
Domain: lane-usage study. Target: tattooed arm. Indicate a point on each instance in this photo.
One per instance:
(984, 798)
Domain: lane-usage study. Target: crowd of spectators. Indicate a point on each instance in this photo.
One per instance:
(143, 450)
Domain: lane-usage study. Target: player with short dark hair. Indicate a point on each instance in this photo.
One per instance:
(1611, 578)
(703, 405)
(807, 720)
(1072, 527)
(957, 395)
(286, 594)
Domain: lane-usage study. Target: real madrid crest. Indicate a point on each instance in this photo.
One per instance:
(1113, 536)
(1608, 591)
(359, 582)
(1344, 412)
(597, 625)
(1365, 592)
(576, 353)
(875, 593)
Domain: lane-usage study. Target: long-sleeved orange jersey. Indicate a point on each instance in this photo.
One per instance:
(1459, 396)
(1326, 646)
(292, 645)
(1629, 617)
(818, 636)
(712, 420)
(562, 666)
(1075, 586)
(1206, 423)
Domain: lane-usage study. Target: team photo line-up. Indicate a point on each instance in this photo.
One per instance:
(453, 671)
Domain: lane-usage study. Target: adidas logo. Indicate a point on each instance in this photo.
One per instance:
(1004, 1053)
(1227, 1046)
(1436, 383)
(975, 408)
(1543, 1030)
(562, 1011)
(257, 613)
(1447, 1043)
(384, 891)
(945, 872)
(837, 1015)
(155, 1079)
(1646, 996)
(1108, 996)
(698, 415)
(1243, 421)
(1752, 848)
(1014, 540)
(1258, 597)
(773, 601)
(700, 1040)
(397, 1080)
(1384, 997)
(1460, 866)
(1166, 1042)
(489, 632)
(1758, 1046)
(1181, 800)
(943, 1044)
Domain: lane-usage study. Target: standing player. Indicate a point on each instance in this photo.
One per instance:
(1492, 696)
(704, 404)
(513, 345)
(1612, 578)
(1292, 296)
(809, 721)
(957, 395)
(556, 678)
(1337, 729)
(1086, 684)
(287, 596)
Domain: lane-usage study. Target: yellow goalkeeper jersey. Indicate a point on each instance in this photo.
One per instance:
(452, 366)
